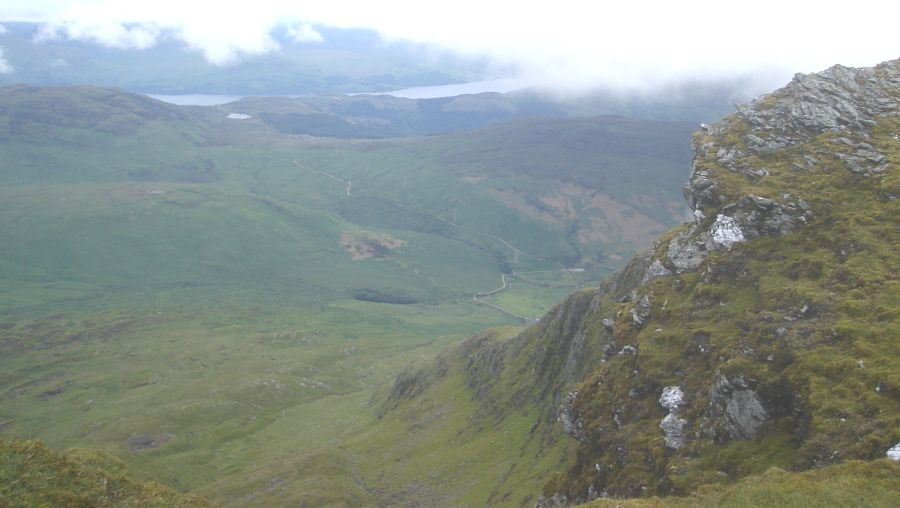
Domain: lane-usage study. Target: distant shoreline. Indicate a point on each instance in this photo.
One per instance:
(502, 85)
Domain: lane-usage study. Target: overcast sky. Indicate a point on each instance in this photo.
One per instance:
(569, 44)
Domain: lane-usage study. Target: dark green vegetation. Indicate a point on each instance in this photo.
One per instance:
(216, 303)
(32, 475)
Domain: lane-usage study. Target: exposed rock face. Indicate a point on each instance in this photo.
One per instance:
(655, 271)
(672, 425)
(840, 99)
(671, 398)
(566, 416)
(673, 428)
(555, 501)
(736, 408)
(641, 312)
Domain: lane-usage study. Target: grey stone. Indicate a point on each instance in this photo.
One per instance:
(555, 501)
(671, 398)
(684, 252)
(735, 408)
(673, 429)
(565, 415)
(655, 271)
(641, 312)
(724, 233)
(609, 324)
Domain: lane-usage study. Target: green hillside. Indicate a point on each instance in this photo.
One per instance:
(216, 303)
(32, 475)
(226, 307)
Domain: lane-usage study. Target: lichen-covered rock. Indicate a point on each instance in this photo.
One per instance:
(671, 398)
(685, 252)
(839, 99)
(724, 233)
(655, 271)
(735, 408)
(557, 500)
(673, 429)
(641, 312)
(565, 415)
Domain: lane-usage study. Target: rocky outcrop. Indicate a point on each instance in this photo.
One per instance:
(843, 101)
(641, 312)
(672, 425)
(771, 170)
(840, 99)
(735, 409)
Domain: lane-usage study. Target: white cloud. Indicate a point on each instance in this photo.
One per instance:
(565, 44)
(305, 33)
(111, 34)
(2, 29)
(5, 67)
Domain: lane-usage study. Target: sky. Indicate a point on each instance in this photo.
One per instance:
(562, 44)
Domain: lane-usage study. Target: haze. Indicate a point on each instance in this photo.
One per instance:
(567, 46)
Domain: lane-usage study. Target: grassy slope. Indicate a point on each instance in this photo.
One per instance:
(33, 475)
(854, 483)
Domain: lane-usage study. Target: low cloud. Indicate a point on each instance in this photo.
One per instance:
(566, 45)
(5, 67)
(113, 35)
(304, 33)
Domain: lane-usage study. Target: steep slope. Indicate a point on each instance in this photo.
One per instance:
(761, 334)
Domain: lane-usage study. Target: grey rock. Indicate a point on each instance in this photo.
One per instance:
(565, 415)
(673, 429)
(671, 398)
(724, 233)
(555, 501)
(840, 99)
(609, 324)
(641, 312)
(628, 350)
(685, 253)
(735, 408)
(655, 271)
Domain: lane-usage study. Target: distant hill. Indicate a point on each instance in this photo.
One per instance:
(132, 191)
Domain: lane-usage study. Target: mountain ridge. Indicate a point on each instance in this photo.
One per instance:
(761, 334)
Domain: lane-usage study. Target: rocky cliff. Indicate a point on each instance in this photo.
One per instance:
(763, 333)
